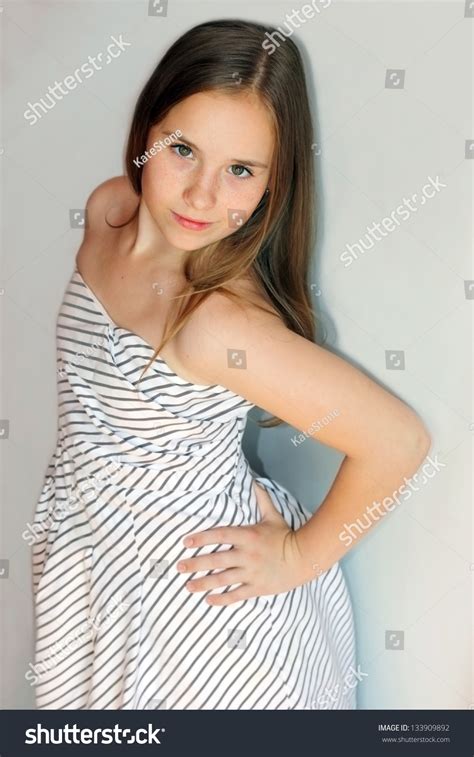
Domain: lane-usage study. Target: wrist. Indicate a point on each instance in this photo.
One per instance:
(311, 561)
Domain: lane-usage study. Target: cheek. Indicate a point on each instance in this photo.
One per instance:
(159, 182)
(158, 168)
(242, 194)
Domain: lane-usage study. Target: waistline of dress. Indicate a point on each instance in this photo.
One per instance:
(96, 470)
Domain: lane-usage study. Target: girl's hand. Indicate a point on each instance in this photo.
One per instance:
(264, 559)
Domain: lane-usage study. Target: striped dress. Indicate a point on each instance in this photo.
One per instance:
(138, 465)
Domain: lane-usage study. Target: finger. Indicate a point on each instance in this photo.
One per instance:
(229, 597)
(227, 558)
(220, 535)
(224, 578)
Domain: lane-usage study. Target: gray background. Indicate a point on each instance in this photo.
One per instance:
(375, 145)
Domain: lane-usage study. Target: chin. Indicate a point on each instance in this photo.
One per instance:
(191, 240)
(186, 244)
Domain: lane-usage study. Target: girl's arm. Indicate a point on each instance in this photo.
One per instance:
(256, 356)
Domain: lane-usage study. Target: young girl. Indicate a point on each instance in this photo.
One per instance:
(167, 574)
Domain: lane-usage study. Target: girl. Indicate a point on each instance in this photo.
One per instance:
(174, 577)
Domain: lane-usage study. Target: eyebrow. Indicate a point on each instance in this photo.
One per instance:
(235, 160)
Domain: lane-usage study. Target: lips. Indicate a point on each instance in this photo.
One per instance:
(193, 220)
(191, 223)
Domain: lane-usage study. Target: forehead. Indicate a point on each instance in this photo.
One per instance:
(237, 124)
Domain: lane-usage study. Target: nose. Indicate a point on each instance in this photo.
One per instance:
(201, 193)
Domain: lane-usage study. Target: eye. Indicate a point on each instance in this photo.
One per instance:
(179, 147)
(240, 168)
(239, 175)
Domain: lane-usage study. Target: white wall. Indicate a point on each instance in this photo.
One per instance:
(375, 146)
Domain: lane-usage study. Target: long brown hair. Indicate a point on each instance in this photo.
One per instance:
(274, 245)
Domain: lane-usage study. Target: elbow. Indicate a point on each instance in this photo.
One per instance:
(417, 449)
(420, 442)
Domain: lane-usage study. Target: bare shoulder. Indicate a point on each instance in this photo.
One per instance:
(114, 201)
(229, 317)
(256, 356)
(114, 197)
(224, 332)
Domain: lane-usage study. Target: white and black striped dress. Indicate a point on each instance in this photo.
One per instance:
(137, 466)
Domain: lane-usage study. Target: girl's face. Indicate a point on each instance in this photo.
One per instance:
(215, 172)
